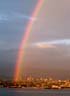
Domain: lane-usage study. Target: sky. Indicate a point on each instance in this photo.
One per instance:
(47, 51)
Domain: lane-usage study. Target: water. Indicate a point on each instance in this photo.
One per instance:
(33, 92)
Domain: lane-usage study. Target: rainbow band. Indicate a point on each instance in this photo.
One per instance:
(24, 40)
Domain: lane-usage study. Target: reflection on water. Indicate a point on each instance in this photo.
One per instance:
(33, 92)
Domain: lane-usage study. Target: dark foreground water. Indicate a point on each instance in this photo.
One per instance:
(33, 92)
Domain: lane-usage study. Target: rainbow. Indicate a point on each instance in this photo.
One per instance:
(24, 40)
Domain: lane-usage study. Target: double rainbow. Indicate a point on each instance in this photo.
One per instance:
(24, 40)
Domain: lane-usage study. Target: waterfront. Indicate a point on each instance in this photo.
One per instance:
(33, 92)
(30, 82)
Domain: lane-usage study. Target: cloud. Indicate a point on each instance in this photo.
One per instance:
(27, 17)
(42, 45)
(14, 16)
(60, 42)
(51, 44)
